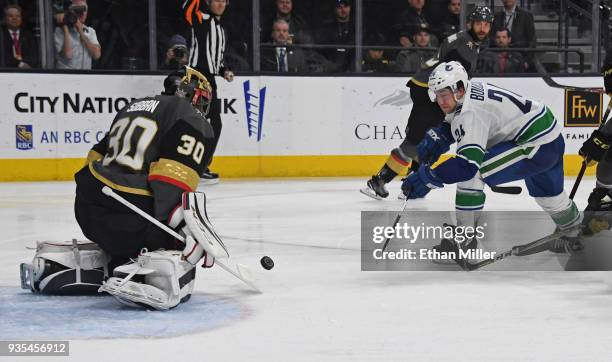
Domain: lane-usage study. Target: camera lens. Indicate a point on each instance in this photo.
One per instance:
(178, 52)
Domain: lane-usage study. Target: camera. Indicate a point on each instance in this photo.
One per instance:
(179, 52)
(178, 57)
(71, 12)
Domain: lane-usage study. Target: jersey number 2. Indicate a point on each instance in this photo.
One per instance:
(128, 141)
(459, 133)
(497, 94)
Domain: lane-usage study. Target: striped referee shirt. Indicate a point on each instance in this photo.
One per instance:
(207, 41)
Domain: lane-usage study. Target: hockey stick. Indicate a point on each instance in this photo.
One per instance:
(242, 272)
(583, 168)
(585, 161)
(520, 250)
(551, 83)
(399, 215)
(510, 190)
(604, 120)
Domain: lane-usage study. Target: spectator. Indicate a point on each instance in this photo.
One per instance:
(76, 44)
(519, 21)
(19, 47)
(409, 21)
(450, 23)
(500, 62)
(298, 28)
(281, 58)
(374, 58)
(177, 54)
(339, 30)
(409, 61)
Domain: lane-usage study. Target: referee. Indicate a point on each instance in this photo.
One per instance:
(207, 49)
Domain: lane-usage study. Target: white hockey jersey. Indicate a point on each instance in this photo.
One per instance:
(490, 115)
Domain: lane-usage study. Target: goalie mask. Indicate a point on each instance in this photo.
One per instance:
(190, 84)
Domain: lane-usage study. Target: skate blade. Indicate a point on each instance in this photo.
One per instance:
(208, 181)
(368, 192)
(402, 197)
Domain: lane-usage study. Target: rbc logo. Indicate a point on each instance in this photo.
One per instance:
(23, 137)
(254, 103)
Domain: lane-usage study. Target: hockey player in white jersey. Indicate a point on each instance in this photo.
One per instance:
(501, 137)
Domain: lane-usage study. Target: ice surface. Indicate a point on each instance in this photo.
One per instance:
(317, 304)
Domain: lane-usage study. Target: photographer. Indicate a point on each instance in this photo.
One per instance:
(177, 54)
(76, 44)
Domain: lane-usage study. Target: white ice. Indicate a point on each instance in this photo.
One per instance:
(317, 303)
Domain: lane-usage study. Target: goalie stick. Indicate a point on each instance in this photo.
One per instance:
(242, 272)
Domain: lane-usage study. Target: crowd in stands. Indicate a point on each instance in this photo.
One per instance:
(295, 35)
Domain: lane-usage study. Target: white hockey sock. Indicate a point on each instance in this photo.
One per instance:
(561, 209)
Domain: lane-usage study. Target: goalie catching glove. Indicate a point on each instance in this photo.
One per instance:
(201, 241)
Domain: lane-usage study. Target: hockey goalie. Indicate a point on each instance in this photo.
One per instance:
(152, 157)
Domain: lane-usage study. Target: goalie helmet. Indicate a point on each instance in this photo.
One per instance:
(190, 84)
(447, 75)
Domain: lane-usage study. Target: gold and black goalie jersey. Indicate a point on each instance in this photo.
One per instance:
(155, 147)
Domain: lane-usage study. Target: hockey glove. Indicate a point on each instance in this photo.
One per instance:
(595, 147)
(418, 184)
(193, 251)
(436, 142)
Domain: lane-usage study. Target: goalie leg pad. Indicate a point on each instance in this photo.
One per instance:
(156, 280)
(77, 267)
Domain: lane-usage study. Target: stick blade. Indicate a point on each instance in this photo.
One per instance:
(510, 190)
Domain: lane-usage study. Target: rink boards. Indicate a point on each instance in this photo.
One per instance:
(272, 126)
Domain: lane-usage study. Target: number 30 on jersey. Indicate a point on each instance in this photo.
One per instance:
(191, 147)
(129, 140)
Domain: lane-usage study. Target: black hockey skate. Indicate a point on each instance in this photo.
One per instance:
(209, 178)
(376, 188)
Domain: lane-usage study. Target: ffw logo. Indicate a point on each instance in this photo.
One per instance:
(254, 102)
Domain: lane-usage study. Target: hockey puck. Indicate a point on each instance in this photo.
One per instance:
(267, 262)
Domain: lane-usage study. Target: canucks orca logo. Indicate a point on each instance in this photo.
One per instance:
(23, 137)
(398, 98)
(254, 102)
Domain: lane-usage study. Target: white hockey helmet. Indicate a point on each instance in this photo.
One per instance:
(447, 75)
